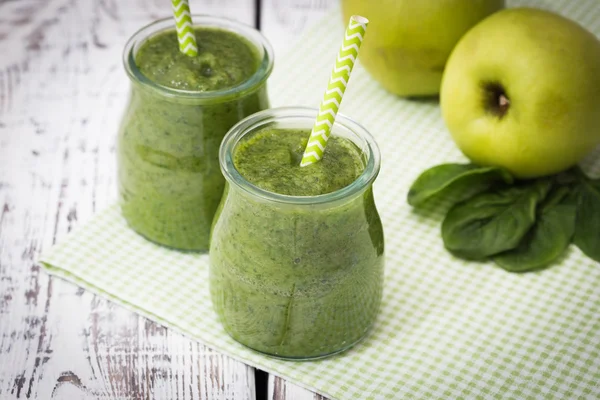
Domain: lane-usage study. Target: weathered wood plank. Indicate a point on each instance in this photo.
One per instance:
(284, 21)
(279, 389)
(62, 92)
(239, 10)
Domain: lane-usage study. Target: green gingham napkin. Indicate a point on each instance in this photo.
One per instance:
(447, 328)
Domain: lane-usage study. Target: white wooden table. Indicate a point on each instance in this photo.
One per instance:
(62, 92)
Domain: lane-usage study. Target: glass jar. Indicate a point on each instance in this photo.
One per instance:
(170, 183)
(297, 276)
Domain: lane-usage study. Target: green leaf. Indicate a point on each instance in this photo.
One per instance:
(445, 178)
(493, 222)
(587, 222)
(547, 239)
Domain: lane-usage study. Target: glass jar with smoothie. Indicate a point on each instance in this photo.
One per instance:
(297, 253)
(180, 109)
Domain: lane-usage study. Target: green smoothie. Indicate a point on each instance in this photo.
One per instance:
(290, 279)
(169, 176)
(271, 160)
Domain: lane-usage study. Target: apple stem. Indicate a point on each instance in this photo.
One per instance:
(495, 99)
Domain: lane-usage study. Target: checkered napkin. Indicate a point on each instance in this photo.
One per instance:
(447, 328)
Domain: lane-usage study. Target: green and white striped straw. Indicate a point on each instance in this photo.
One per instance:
(185, 30)
(336, 87)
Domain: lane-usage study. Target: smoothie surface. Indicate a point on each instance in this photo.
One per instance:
(224, 60)
(270, 159)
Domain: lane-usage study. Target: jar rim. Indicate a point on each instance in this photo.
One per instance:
(246, 31)
(255, 121)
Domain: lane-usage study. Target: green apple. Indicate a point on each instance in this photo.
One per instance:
(522, 90)
(408, 41)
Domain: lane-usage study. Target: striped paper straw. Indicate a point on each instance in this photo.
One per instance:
(336, 87)
(185, 30)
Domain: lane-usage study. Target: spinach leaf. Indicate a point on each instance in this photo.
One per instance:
(587, 222)
(445, 178)
(547, 239)
(494, 221)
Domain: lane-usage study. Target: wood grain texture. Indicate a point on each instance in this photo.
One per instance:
(62, 92)
(279, 389)
(284, 21)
